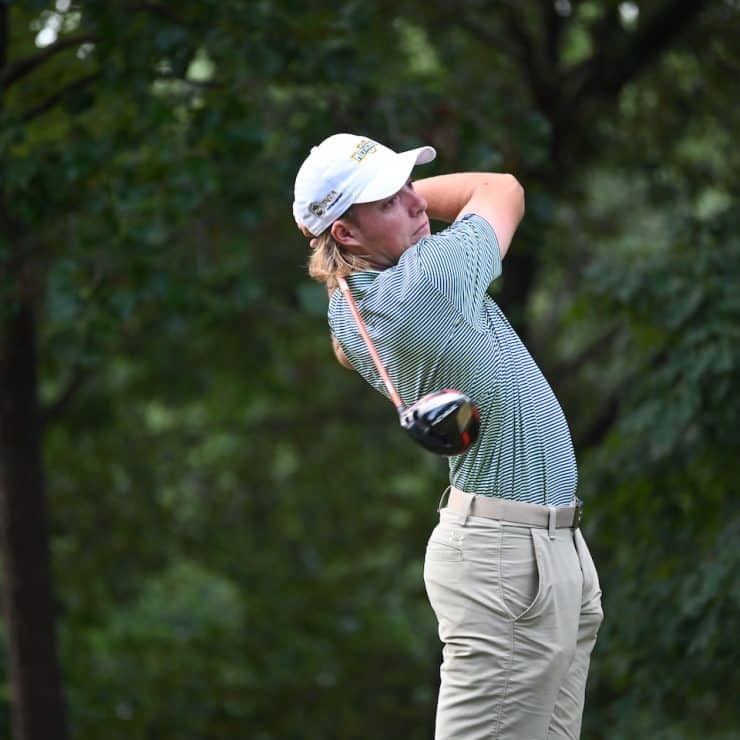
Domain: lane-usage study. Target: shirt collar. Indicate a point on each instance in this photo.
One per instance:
(360, 282)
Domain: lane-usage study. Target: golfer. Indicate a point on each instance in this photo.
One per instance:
(507, 570)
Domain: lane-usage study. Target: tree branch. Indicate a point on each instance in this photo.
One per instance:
(609, 413)
(618, 62)
(4, 35)
(53, 411)
(554, 26)
(488, 37)
(16, 71)
(541, 89)
(602, 424)
(198, 84)
(605, 26)
(565, 369)
(159, 9)
(58, 96)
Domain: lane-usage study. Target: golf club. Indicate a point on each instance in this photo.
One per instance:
(445, 421)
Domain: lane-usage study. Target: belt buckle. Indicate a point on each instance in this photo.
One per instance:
(578, 515)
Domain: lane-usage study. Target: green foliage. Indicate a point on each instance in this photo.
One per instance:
(668, 464)
(238, 524)
(155, 659)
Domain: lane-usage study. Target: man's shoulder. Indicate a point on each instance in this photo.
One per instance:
(390, 292)
(362, 285)
(469, 224)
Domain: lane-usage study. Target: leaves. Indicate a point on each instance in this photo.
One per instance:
(238, 524)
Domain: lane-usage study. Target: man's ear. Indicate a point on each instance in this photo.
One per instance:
(344, 233)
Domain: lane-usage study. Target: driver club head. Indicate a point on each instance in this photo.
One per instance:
(445, 422)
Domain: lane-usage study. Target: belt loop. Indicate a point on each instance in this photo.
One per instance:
(468, 507)
(552, 521)
(578, 513)
(444, 493)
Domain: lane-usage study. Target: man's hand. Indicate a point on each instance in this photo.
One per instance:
(339, 353)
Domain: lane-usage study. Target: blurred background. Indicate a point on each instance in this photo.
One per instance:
(211, 529)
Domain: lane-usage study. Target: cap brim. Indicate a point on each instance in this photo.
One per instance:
(394, 173)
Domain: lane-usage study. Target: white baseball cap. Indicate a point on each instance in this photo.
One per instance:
(346, 169)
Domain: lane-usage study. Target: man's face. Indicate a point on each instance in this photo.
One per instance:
(383, 230)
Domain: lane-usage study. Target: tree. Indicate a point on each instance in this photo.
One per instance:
(226, 501)
(28, 601)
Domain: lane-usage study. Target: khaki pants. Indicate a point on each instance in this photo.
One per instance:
(518, 610)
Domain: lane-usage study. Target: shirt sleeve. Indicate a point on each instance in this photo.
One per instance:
(462, 261)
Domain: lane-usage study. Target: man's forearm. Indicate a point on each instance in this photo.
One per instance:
(447, 195)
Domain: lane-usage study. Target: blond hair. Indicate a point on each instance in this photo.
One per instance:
(329, 259)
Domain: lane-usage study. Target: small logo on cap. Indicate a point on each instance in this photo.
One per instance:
(319, 209)
(363, 148)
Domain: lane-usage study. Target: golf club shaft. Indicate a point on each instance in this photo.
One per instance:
(369, 343)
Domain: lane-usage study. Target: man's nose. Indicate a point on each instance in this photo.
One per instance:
(416, 202)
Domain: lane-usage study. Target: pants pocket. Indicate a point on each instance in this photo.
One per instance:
(442, 552)
(519, 572)
(443, 566)
(591, 600)
(445, 544)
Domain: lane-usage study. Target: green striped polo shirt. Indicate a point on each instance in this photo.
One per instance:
(435, 326)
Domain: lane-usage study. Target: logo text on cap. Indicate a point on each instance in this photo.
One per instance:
(319, 209)
(363, 148)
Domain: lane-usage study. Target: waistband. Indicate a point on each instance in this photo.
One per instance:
(516, 512)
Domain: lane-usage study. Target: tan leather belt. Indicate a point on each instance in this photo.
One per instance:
(516, 512)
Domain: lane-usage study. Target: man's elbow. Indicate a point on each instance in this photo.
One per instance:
(517, 196)
(509, 191)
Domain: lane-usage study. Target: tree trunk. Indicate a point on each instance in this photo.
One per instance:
(36, 695)
(37, 706)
